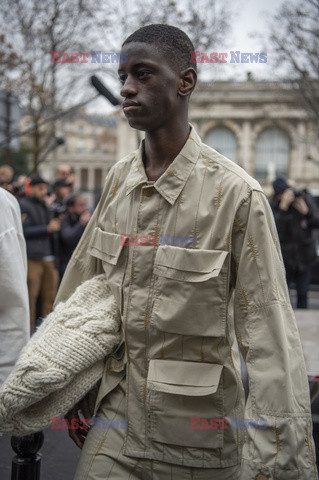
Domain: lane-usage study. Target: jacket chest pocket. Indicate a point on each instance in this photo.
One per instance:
(108, 248)
(185, 403)
(191, 291)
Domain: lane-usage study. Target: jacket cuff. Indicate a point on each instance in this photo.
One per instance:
(256, 471)
(283, 450)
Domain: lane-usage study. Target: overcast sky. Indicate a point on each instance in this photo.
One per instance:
(250, 17)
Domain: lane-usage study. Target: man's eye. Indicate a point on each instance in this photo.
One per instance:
(142, 74)
(122, 80)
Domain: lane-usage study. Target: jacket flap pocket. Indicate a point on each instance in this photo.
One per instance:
(105, 246)
(188, 264)
(183, 378)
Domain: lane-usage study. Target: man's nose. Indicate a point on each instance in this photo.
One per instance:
(129, 88)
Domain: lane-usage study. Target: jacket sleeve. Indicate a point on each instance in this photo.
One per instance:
(269, 340)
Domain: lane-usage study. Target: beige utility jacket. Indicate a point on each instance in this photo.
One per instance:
(195, 266)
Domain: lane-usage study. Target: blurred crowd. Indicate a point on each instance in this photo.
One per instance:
(297, 219)
(54, 217)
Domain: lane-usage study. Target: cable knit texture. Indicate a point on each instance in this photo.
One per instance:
(63, 360)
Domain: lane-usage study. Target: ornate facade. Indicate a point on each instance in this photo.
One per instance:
(263, 126)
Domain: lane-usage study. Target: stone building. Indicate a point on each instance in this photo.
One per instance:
(263, 126)
(89, 148)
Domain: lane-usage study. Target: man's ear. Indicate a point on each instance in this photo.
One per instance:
(188, 79)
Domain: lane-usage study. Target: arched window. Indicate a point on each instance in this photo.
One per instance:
(224, 141)
(272, 154)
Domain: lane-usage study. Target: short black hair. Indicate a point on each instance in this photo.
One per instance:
(169, 40)
(70, 199)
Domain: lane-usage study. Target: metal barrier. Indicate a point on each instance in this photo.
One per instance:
(26, 464)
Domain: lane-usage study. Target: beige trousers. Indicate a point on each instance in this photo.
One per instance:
(43, 280)
(102, 459)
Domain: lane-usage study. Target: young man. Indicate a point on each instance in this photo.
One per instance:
(188, 243)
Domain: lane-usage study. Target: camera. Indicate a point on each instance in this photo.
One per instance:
(57, 209)
(297, 193)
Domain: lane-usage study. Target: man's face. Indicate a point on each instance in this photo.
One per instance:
(150, 87)
(63, 172)
(39, 191)
(80, 206)
(62, 192)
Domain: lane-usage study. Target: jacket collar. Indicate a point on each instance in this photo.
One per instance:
(172, 181)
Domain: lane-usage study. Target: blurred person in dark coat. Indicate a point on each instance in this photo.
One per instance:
(39, 230)
(296, 217)
(72, 227)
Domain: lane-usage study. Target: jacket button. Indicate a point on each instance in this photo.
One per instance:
(261, 477)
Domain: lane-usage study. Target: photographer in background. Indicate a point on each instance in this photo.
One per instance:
(61, 189)
(296, 216)
(72, 227)
(40, 230)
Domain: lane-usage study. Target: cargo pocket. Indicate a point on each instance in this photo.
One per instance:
(185, 403)
(191, 291)
(108, 248)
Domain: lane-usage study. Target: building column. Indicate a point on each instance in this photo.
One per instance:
(298, 165)
(77, 183)
(91, 184)
(245, 148)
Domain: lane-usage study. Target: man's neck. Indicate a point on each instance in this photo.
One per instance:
(161, 147)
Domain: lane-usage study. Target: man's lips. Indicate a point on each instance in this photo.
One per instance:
(130, 105)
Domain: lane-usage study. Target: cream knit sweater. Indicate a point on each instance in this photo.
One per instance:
(62, 361)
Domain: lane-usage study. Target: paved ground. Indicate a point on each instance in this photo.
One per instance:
(60, 455)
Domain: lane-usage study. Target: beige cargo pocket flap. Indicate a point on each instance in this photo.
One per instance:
(183, 378)
(187, 264)
(105, 246)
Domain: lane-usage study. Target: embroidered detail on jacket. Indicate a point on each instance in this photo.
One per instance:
(238, 226)
(115, 187)
(310, 446)
(218, 198)
(194, 234)
(244, 296)
(278, 441)
(253, 247)
(277, 289)
(171, 172)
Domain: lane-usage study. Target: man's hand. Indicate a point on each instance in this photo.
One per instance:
(300, 205)
(79, 434)
(286, 200)
(54, 225)
(85, 218)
